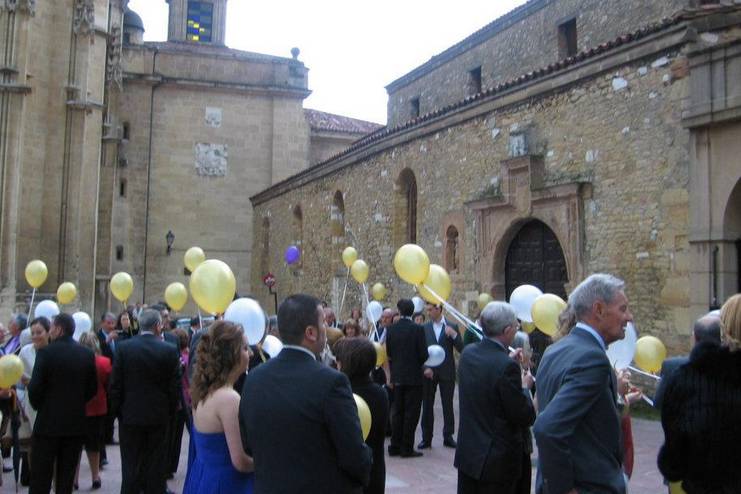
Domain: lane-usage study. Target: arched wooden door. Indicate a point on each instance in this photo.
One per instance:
(535, 257)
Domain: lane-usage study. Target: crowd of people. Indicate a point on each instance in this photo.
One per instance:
(290, 423)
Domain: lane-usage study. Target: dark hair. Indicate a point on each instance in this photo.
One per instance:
(119, 327)
(357, 356)
(194, 321)
(406, 307)
(44, 322)
(65, 321)
(182, 338)
(417, 314)
(217, 355)
(295, 314)
(707, 328)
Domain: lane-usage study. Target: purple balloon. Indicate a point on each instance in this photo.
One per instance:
(292, 254)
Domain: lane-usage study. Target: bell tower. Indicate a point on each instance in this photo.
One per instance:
(197, 21)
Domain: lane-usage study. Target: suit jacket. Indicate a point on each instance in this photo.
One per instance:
(64, 379)
(105, 348)
(406, 348)
(578, 428)
(146, 382)
(446, 370)
(668, 369)
(495, 413)
(301, 424)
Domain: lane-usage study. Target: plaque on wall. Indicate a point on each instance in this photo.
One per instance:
(211, 159)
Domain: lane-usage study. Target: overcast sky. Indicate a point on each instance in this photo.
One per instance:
(352, 51)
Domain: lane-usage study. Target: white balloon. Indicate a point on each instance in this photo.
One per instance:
(272, 345)
(522, 299)
(374, 310)
(47, 309)
(249, 314)
(436, 356)
(419, 304)
(82, 324)
(621, 352)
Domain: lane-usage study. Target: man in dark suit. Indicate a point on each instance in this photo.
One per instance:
(145, 391)
(438, 331)
(63, 381)
(578, 427)
(496, 410)
(706, 329)
(406, 349)
(298, 417)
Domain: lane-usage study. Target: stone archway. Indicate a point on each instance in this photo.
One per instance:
(730, 272)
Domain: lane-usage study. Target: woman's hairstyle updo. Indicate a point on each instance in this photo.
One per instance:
(730, 321)
(218, 354)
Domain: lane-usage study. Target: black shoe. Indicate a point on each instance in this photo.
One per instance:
(76, 486)
(393, 451)
(412, 454)
(96, 484)
(103, 462)
(424, 445)
(450, 442)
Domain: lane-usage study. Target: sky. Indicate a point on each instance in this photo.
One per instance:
(352, 52)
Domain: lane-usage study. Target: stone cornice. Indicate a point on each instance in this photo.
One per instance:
(14, 88)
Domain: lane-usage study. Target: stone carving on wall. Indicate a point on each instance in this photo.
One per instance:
(28, 6)
(114, 70)
(83, 22)
(211, 159)
(213, 117)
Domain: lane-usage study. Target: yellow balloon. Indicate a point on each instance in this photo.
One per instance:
(364, 415)
(439, 282)
(378, 291)
(193, 258)
(676, 488)
(650, 353)
(529, 327)
(176, 296)
(122, 286)
(36, 273)
(212, 286)
(359, 270)
(66, 293)
(484, 298)
(545, 312)
(11, 370)
(334, 334)
(412, 264)
(349, 256)
(380, 353)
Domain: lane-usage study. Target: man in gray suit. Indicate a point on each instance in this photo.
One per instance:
(578, 427)
(439, 331)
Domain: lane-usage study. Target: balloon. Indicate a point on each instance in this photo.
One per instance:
(176, 296)
(522, 299)
(47, 309)
(484, 298)
(121, 286)
(380, 353)
(292, 254)
(212, 286)
(249, 314)
(439, 282)
(621, 352)
(82, 324)
(66, 292)
(650, 353)
(545, 311)
(436, 356)
(374, 311)
(364, 415)
(193, 258)
(349, 256)
(676, 488)
(529, 327)
(272, 345)
(334, 334)
(378, 291)
(36, 273)
(11, 370)
(359, 270)
(419, 304)
(412, 264)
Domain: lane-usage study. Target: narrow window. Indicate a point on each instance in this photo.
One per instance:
(122, 188)
(567, 39)
(451, 249)
(127, 38)
(411, 196)
(415, 107)
(119, 252)
(126, 131)
(474, 80)
(200, 21)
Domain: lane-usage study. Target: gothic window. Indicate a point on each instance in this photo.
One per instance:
(451, 249)
(200, 21)
(405, 208)
(337, 219)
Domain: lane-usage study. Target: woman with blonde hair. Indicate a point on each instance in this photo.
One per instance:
(218, 463)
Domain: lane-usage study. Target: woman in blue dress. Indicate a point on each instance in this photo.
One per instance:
(218, 463)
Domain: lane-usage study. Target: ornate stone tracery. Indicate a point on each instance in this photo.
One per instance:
(83, 22)
(114, 69)
(28, 6)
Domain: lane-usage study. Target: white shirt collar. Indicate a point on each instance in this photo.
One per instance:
(302, 349)
(589, 329)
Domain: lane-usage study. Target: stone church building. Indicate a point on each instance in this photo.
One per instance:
(109, 145)
(566, 137)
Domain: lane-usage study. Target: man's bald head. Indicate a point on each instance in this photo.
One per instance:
(707, 328)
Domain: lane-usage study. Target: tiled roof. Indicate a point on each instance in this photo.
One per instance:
(319, 120)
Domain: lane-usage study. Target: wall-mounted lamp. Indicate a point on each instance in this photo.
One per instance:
(170, 238)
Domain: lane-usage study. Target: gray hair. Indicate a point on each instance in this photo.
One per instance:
(495, 318)
(148, 319)
(108, 316)
(599, 286)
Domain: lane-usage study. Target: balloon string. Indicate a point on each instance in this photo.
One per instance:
(344, 290)
(200, 320)
(367, 302)
(647, 400)
(647, 374)
(30, 307)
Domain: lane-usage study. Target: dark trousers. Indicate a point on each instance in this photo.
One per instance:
(447, 388)
(469, 485)
(48, 451)
(176, 439)
(404, 417)
(143, 458)
(523, 483)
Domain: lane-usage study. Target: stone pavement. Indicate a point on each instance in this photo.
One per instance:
(432, 473)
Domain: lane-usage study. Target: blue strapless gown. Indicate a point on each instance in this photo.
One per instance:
(210, 469)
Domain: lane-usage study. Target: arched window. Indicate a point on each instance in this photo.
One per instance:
(451, 249)
(405, 207)
(298, 226)
(265, 247)
(337, 219)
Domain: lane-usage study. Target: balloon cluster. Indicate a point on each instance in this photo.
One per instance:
(413, 266)
(540, 309)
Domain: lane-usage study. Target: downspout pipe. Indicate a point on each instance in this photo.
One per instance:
(149, 172)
